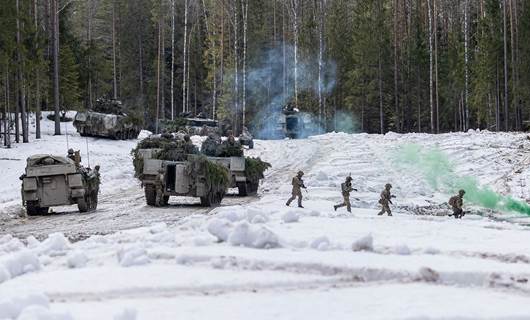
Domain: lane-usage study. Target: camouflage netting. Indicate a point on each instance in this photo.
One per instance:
(215, 174)
(254, 168)
(171, 149)
(179, 124)
(147, 143)
(230, 150)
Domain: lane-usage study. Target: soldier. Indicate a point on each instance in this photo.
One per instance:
(386, 198)
(189, 147)
(456, 203)
(297, 183)
(210, 146)
(204, 130)
(346, 188)
(71, 154)
(159, 185)
(230, 138)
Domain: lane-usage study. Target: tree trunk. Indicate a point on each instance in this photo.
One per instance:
(294, 9)
(431, 102)
(513, 51)
(244, 9)
(436, 101)
(185, 60)
(57, 107)
(236, 72)
(466, 64)
(37, 80)
(320, 59)
(396, 94)
(20, 80)
(172, 59)
(158, 72)
(89, 57)
(114, 76)
(505, 58)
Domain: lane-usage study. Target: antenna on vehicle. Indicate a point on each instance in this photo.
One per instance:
(87, 152)
(66, 134)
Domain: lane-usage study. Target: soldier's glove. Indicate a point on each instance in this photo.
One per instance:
(354, 189)
(392, 196)
(390, 201)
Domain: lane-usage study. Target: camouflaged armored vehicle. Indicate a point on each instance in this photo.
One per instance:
(107, 120)
(170, 167)
(52, 180)
(245, 172)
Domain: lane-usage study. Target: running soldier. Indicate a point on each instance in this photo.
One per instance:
(456, 203)
(346, 188)
(298, 184)
(386, 199)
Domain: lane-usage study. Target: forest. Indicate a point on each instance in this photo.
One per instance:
(354, 65)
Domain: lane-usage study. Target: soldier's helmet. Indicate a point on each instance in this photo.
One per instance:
(300, 173)
(349, 178)
(70, 151)
(461, 192)
(96, 167)
(388, 186)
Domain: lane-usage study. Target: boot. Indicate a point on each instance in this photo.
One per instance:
(380, 213)
(389, 214)
(335, 207)
(300, 206)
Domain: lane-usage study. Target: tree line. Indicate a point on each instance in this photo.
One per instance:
(389, 65)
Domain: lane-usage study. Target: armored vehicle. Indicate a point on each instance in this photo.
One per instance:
(52, 180)
(245, 172)
(246, 139)
(107, 120)
(190, 125)
(171, 167)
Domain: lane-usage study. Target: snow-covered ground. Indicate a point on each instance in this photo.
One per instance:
(256, 258)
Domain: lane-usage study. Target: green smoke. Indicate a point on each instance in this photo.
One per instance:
(438, 172)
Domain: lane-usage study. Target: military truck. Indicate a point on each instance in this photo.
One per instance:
(107, 120)
(171, 167)
(51, 180)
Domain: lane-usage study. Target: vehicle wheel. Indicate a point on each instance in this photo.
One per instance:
(82, 204)
(207, 200)
(165, 200)
(253, 187)
(32, 208)
(251, 144)
(242, 187)
(150, 194)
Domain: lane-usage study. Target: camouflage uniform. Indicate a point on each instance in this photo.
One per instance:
(71, 154)
(189, 147)
(456, 202)
(386, 199)
(298, 184)
(204, 131)
(210, 146)
(346, 188)
(159, 185)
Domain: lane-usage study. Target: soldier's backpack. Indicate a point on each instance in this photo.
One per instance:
(453, 200)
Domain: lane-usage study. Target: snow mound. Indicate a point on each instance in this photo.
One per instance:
(9, 244)
(32, 242)
(32, 307)
(77, 259)
(253, 236)
(428, 274)
(133, 256)
(220, 228)
(402, 250)
(258, 219)
(144, 134)
(290, 216)
(158, 228)
(126, 314)
(18, 263)
(365, 243)
(55, 244)
(320, 243)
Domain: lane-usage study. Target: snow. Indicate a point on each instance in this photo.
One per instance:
(256, 258)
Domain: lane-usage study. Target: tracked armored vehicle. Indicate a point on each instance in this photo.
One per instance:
(169, 167)
(107, 120)
(52, 180)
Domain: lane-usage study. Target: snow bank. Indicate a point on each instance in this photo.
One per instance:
(133, 256)
(55, 244)
(18, 263)
(32, 307)
(220, 228)
(253, 236)
(320, 243)
(365, 243)
(126, 314)
(77, 259)
(290, 216)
